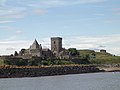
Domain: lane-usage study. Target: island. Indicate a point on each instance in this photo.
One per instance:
(37, 61)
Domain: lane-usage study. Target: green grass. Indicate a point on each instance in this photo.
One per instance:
(85, 52)
(107, 59)
(93, 57)
(101, 58)
(1, 61)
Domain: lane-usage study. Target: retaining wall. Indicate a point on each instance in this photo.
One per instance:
(13, 71)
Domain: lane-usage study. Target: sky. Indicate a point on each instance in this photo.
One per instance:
(83, 24)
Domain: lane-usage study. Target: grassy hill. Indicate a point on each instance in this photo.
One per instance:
(86, 52)
(86, 57)
(100, 57)
(1, 61)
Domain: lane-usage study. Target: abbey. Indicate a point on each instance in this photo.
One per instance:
(36, 50)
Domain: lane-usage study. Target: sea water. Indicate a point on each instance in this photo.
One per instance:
(89, 81)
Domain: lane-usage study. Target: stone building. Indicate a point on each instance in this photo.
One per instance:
(103, 51)
(36, 50)
(56, 45)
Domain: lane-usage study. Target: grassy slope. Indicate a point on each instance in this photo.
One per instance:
(1, 61)
(86, 52)
(101, 58)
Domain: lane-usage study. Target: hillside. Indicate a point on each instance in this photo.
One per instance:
(86, 57)
(100, 57)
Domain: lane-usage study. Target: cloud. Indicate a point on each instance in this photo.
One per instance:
(6, 21)
(117, 11)
(40, 11)
(14, 9)
(2, 2)
(18, 32)
(11, 10)
(30, 4)
(14, 30)
(12, 38)
(71, 2)
(11, 13)
(110, 43)
(99, 14)
(111, 21)
(92, 1)
(56, 3)
(108, 21)
(8, 47)
(13, 16)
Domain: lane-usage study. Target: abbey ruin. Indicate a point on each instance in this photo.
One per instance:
(36, 50)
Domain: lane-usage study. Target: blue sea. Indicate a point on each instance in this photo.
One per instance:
(90, 81)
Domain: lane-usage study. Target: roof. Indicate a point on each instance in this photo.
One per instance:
(35, 45)
(35, 42)
(56, 38)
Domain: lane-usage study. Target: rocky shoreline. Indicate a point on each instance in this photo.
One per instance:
(38, 71)
(109, 67)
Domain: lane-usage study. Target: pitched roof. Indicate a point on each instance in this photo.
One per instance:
(35, 45)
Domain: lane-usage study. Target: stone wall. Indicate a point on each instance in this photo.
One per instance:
(13, 71)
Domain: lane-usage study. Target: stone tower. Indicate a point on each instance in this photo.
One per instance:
(56, 45)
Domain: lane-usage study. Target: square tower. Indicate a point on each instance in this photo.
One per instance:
(56, 45)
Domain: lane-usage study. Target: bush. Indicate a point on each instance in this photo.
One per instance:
(15, 61)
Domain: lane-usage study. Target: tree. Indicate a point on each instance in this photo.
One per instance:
(22, 51)
(15, 54)
(73, 51)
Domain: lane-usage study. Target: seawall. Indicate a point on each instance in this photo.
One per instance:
(37, 71)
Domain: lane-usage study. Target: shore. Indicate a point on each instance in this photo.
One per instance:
(111, 69)
(38, 71)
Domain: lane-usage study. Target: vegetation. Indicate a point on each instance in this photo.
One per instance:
(15, 61)
(15, 54)
(80, 57)
(73, 51)
(1, 61)
(106, 60)
(100, 58)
